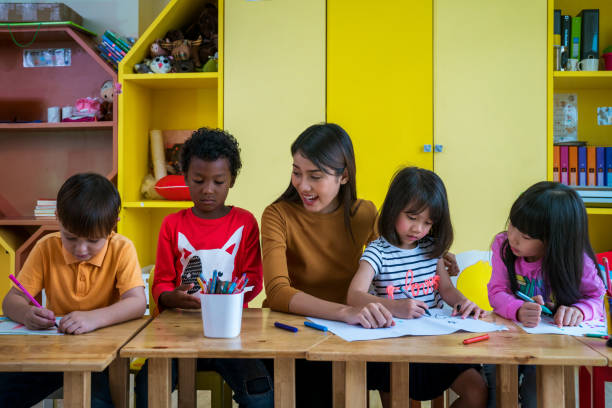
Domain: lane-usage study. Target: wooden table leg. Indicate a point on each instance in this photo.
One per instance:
(551, 391)
(570, 375)
(356, 384)
(160, 382)
(119, 380)
(338, 379)
(284, 382)
(187, 394)
(77, 389)
(507, 386)
(400, 385)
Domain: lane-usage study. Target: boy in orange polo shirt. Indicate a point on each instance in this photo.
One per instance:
(90, 275)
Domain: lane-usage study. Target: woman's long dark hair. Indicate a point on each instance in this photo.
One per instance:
(328, 147)
(420, 189)
(554, 214)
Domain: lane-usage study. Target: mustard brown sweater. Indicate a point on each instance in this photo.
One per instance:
(310, 252)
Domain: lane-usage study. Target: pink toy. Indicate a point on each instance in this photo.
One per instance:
(87, 105)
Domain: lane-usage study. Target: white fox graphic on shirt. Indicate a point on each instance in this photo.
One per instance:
(202, 262)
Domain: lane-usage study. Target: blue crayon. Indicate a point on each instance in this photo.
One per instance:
(530, 300)
(315, 326)
(285, 327)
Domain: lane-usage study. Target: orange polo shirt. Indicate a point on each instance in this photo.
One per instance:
(71, 284)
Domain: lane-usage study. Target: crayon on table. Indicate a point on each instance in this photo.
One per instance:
(285, 327)
(476, 339)
(315, 326)
(597, 336)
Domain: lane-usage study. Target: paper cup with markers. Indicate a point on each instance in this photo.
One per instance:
(221, 314)
(221, 303)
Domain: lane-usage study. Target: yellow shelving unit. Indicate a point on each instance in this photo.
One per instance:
(160, 101)
(593, 90)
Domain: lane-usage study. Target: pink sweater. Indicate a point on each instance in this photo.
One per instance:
(529, 276)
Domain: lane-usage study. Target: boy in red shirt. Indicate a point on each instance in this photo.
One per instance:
(210, 236)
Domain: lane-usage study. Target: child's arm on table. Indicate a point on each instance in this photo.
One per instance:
(358, 295)
(589, 306)
(132, 305)
(18, 308)
(451, 295)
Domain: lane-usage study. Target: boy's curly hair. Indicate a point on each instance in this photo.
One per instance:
(210, 145)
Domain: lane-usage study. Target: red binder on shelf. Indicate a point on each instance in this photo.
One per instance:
(591, 166)
(556, 161)
(564, 161)
(573, 165)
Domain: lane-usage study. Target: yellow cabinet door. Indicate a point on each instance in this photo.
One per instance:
(379, 86)
(490, 109)
(274, 89)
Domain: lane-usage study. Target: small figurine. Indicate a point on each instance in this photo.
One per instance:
(106, 107)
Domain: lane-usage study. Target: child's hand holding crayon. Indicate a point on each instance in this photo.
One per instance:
(409, 308)
(529, 313)
(38, 318)
(178, 298)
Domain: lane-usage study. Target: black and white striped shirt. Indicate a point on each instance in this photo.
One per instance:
(391, 265)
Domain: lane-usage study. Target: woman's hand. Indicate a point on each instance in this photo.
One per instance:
(370, 316)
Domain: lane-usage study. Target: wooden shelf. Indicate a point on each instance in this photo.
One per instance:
(158, 204)
(57, 126)
(28, 220)
(582, 80)
(599, 210)
(174, 81)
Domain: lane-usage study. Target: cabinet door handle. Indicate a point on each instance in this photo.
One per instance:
(427, 148)
(438, 148)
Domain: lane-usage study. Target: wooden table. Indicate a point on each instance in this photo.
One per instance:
(77, 357)
(178, 334)
(508, 349)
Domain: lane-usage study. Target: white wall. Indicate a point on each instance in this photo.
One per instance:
(120, 16)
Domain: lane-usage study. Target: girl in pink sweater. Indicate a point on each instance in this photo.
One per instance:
(546, 255)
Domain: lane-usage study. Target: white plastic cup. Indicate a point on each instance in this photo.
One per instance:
(53, 114)
(66, 112)
(221, 314)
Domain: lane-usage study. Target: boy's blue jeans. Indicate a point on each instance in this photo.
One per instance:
(26, 389)
(248, 378)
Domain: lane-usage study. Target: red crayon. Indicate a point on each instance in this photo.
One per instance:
(475, 339)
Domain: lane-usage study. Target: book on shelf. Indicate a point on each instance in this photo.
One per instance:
(582, 166)
(591, 166)
(589, 33)
(609, 166)
(573, 165)
(564, 163)
(575, 37)
(600, 162)
(566, 33)
(121, 43)
(46, 201)
(557, 27)
(556, 159)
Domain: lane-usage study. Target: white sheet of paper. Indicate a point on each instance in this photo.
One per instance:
(440, 322)
(547, 326)
(7, 326)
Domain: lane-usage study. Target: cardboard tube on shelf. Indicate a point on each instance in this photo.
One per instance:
(158, 157)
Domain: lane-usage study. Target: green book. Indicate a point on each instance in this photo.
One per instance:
(575, 39)
(118, 40)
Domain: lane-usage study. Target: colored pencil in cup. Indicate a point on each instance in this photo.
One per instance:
(202, 285)
(25, 292)
(607, 268)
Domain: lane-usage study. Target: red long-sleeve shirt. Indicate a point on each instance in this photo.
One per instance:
(189, 245)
